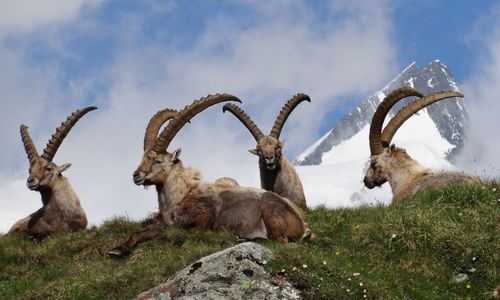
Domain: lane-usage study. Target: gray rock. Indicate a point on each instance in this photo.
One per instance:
(460, 277)
(234, 273)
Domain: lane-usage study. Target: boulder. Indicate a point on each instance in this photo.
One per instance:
(234, 273)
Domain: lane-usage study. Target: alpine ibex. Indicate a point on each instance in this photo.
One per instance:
(276, 173)
(389, 163)
(184, 201)
(61, 207)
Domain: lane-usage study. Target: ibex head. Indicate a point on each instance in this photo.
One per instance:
(156, 161)
(43, 172)
(383, 157)
(269, 151)
(377, 174)
(269, 147)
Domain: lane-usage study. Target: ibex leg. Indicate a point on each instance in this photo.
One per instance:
(272, 213)
(147, 233)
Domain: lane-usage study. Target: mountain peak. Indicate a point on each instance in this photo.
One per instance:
(450, 117)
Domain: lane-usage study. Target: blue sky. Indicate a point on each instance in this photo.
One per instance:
(443, 30)
(89, 44)
(133, 58)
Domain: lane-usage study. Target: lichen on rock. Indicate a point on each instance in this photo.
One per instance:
(233, 273)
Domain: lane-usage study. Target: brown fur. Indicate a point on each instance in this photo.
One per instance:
(406, 176)
(196, 211)
(185, 202)
(282, 214)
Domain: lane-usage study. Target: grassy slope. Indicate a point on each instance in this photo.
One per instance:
(410, 250)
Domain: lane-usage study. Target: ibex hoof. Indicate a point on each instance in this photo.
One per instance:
(119, 252)
(308, 236)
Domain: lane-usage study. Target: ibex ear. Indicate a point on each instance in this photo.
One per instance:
(63, 168)
(282, 144)
(253, 151)
(176, 154)
(392, 148)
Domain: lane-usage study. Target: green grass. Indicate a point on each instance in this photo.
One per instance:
(410, 250)
(75, 265)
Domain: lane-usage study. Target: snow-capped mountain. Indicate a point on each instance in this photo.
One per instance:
(450, 116)
(332, 169)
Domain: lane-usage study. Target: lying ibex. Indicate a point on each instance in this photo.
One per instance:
(61, 207)
(389, 163)
(276, 173)
(186, 202)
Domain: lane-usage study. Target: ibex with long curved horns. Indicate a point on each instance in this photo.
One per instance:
(389, 163)
(276, 173)
(184, 201)
(61, 207)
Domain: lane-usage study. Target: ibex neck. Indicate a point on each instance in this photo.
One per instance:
(60, 191)
(268, 177)
(46, 195)
(61, 197)
(404, 172)
(163, 202)
(179, 184)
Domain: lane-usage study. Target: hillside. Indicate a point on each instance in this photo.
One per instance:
(408, 250)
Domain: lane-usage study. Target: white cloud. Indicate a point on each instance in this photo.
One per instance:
(264, 64)
(482, 90)
(23, 16)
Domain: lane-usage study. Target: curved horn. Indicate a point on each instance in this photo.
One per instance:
(245, 119)
(63, 130)
(29, 147)
(285, 112)
(185, 115)
(406, 112)
(382, 111)
(155, 124)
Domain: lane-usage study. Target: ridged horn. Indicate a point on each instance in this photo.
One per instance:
(245, 119)
(285, 112)
(406, 112)
(29, 147)
(63, 130)
(382, 111)
(155, 124)
(185, 115)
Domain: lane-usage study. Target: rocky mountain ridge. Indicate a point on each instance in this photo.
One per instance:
(450, 116)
